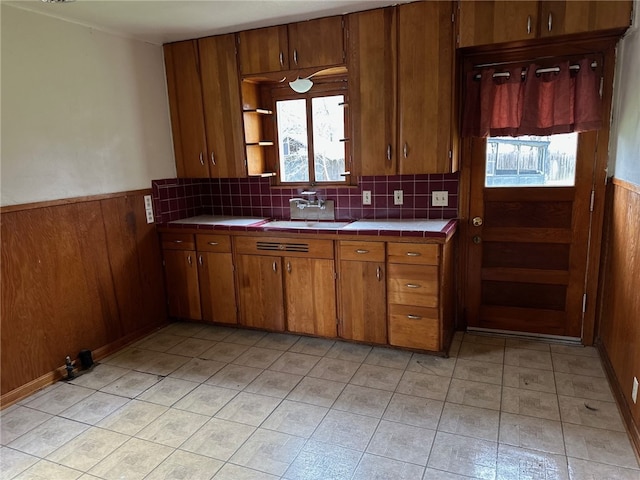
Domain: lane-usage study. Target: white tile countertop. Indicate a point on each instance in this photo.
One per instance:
(223, 220)
(380, 227)
(398, 224)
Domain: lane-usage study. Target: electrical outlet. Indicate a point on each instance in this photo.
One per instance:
(366, 197)
(149, 213)
(147, 202)
(440, 198)
(398, 198)
(634, 391)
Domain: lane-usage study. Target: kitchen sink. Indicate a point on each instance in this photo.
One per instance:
(305, 224)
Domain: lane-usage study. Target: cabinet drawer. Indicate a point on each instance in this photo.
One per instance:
(413, 253)
(362, 251)
(413, 285)
(284, 247)
(414, 327)
(213, 243)
(178, 241)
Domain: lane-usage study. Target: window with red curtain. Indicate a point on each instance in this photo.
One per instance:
(523, 101)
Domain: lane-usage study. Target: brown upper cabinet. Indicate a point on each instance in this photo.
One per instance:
(314, 43)
(206, 111)
(488, 22)
(400, 71)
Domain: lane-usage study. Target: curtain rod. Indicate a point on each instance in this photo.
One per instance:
(539, 70)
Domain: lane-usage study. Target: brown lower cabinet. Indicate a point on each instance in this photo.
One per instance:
(181, 276)
(284, 281)
(393, 293)
(199, 277)
(260, 292)
(363, 303)
(216, 278)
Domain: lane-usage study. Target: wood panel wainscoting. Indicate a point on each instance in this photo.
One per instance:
(82, 273)
(618, 334)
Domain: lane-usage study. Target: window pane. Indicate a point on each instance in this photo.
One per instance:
(531, 161)
(292, 140)
(328, 130)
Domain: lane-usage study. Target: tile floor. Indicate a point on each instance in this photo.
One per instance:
(199, 402)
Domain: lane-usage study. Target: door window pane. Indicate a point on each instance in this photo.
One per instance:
(531, 161)
(328, 131)
(292, 140)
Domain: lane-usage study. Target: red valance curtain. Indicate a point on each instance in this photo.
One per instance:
(534, 103)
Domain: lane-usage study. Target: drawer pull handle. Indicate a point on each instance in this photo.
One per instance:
(289, 267)
(177, 241)
(413, 254)
(189, 259)
(201, 159)
(361, 251)
(379, 273)
(275, 267)
(213, 244)
(200, 260)
(414, 317)
(413, 285)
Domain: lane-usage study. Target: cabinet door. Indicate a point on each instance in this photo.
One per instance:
(363, 303)
(425, 79)
(181, 278)
(217, 287)
(310, 296)
(185, 102)
(486, 22)
(316, 43)
(263, 50)
(372, 90)
(222, 106)
(564, 17)
(260, 292)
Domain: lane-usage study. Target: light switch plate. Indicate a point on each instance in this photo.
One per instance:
(149, 213)
(398, 197)
(440, 198)
(147, 202)
(366, 197)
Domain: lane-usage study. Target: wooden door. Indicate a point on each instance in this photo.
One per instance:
(487, 22)
(263, 50)
(425, 80)
(565, 17)
(316, 43)
(217, 287)
(222, 106)
(363, 301)
(372, 90)
(185, 103)
(527, 260)
(310, 296)
(181, 279)
(260, 292)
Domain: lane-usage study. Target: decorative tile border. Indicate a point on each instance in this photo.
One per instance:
(178, 198)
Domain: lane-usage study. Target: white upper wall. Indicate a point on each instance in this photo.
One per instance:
(83, 112)
(625, 132)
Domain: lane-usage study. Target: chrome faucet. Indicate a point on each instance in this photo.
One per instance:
(303, 203)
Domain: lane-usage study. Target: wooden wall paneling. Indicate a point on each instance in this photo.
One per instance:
(619, 319)
(51, 297)
(66, 268)
(133, 250)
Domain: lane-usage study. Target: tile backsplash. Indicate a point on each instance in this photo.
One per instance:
(177, 198)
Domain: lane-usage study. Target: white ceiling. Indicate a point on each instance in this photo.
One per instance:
(158, 21)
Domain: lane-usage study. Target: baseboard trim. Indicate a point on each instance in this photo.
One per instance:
(59, 373)
(625, 410)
